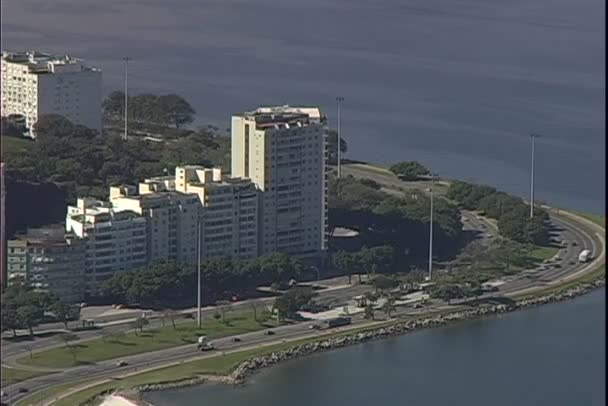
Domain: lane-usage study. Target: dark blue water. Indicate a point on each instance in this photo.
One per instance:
(552, 355)
(455, 84)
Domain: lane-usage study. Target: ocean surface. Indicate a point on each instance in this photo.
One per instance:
(552, 355)
(455, 84)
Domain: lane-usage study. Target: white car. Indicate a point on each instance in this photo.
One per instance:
(121, 364)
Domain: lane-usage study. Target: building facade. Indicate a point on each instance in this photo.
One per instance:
(35, 84)
(115, 241)
(2, 228)
(48, 260)
(283, 150)
(229, 211)
(171, 217)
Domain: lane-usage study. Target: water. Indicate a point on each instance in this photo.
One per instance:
(455, 84)
(552, 355)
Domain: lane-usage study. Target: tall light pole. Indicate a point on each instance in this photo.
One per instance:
(339, 99)
(126, 59)
(199, 310)
(533, 137)
(431, 230)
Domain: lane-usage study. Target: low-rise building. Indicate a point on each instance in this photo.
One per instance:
(49, 260)
(115, 240)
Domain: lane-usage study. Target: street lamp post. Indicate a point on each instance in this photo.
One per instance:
(126, 59)
(533, 137)
(199, 310)
(431, 230)
(339, 99)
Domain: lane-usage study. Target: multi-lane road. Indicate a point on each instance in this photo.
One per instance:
(575, 234)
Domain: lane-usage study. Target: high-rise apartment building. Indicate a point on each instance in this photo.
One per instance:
(35, 84)
(283, 151)
(115, 240)
(48, 260)
(2, 227)
(171, 217)
(229, 211)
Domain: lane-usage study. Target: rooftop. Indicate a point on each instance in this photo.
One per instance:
(41, 62)
(284, 116)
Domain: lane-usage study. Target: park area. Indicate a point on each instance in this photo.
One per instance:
(138, 341)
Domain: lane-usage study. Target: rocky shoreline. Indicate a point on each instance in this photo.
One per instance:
(253, 365)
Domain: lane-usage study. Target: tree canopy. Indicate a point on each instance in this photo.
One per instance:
(170, 284)
(166, 110)
(409, 170)
(511, 213)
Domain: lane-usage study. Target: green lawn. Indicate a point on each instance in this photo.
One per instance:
(217, 365)
(149, 340)
(540, 253)
(14, 146)
(13, 375)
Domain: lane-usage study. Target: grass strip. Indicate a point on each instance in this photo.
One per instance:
(91, 351)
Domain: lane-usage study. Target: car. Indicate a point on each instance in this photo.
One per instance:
(22, 390)
(121, 364)
(557, 266)
(314, 327)
(574, 243)
(269, 333)
(236, 340)
(3, 394)
(572, 262)
(189, 316)
(418, 306)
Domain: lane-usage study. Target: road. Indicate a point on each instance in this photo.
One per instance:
(13, 350)
(583, 234)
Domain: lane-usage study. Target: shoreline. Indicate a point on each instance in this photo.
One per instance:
(249, 367)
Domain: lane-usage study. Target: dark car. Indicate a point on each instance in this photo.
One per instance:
(269, 333)
(236, 340)
(189, 316)
(22, 390)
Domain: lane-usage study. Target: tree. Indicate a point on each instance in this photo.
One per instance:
(11, 128)
(255, 304)
(409, 170)
(171, 315)
(381, 283)
(290, 302)
(332, 147)
(53, 125)
(67, 339)
(474, 289)
(389, 306)
(29, 348)
(29, 316)
(224, 307)
(65, 312)
(176, 110)
(114, 105)
(369, 311)
(343, 261)
(10, 319)
(448, 292)
(140, 323)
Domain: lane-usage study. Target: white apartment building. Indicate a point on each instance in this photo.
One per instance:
(229, 214)
(283, 151)
(171, 217)
(115, 240)
(35, 83)
(48, 260)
